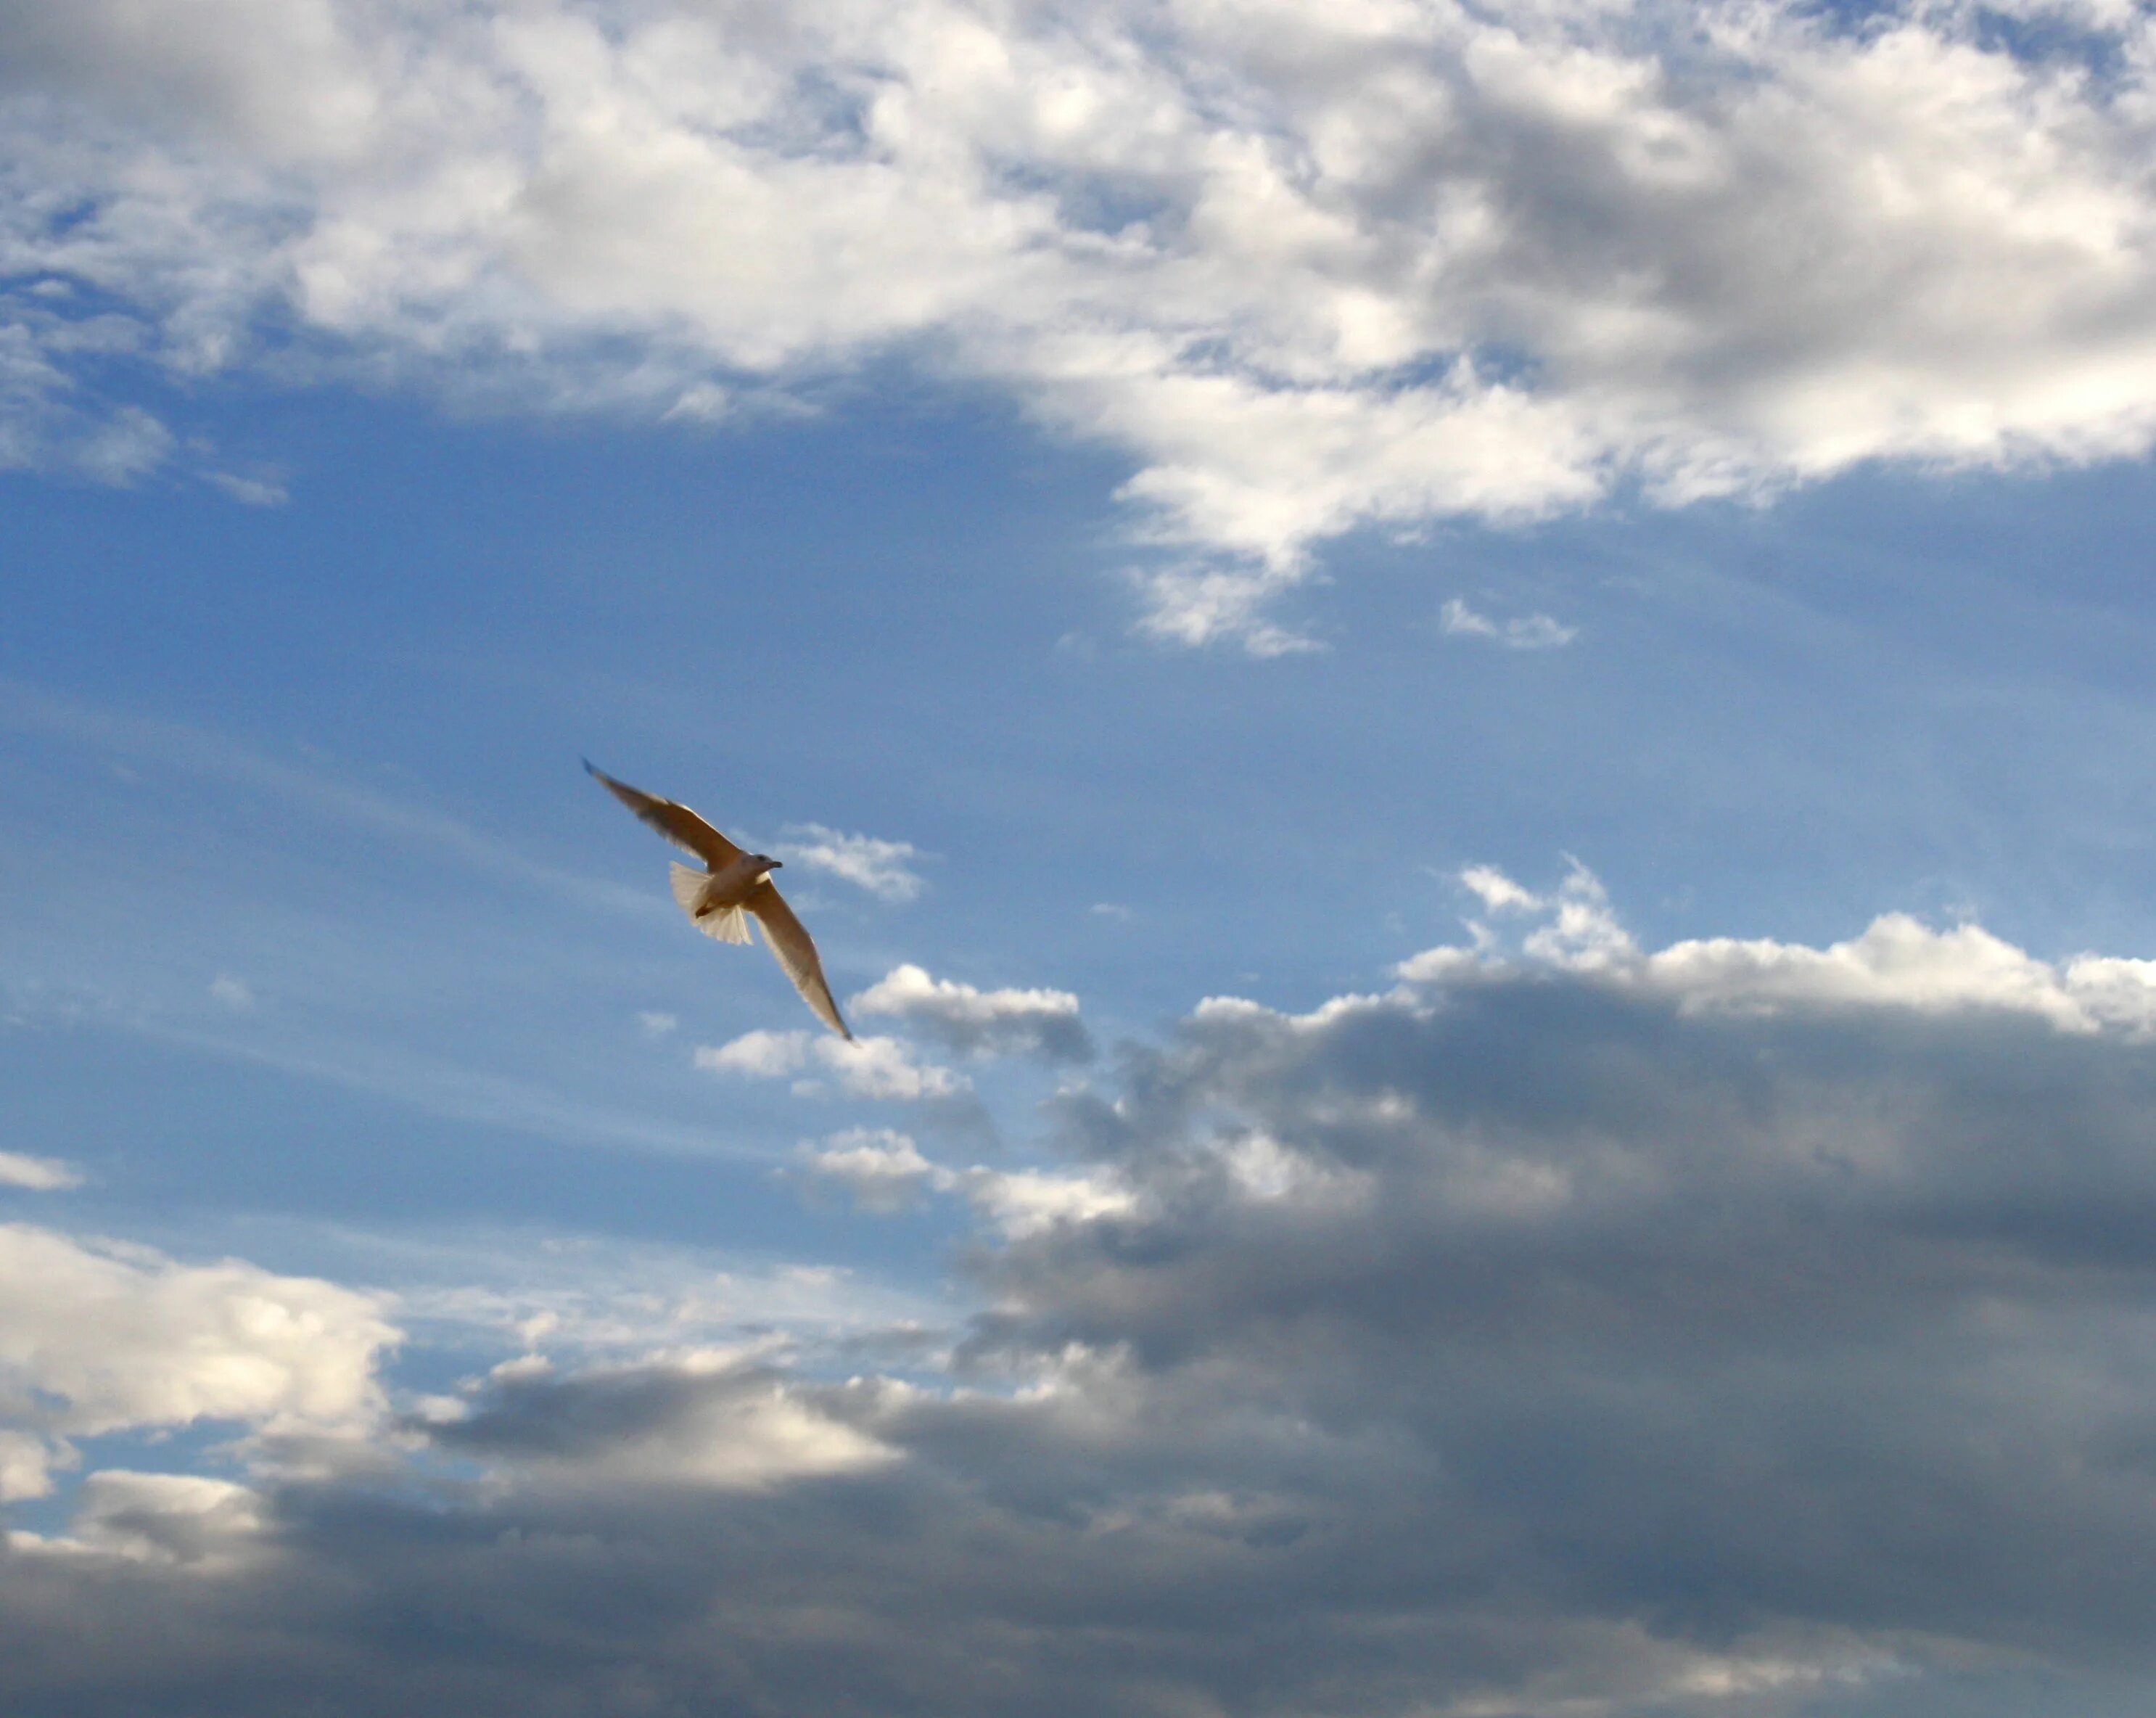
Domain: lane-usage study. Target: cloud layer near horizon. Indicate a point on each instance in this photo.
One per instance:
(1735, 1327)
(1309, 267)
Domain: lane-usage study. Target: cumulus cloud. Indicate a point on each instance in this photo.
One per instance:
(1022, 1202)
(1525, 632)
(104, 1338)
(881, 868)
(970, 1021)
(41, 1174)
(880, 1170)
(865, 1067)
(760, 1055)
(181, 1519)
(1898, 962)
(711, 1416)
(1310, 268)
(1737, 1328)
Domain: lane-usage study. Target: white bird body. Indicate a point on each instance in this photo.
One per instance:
(729, 885)
(732, 886)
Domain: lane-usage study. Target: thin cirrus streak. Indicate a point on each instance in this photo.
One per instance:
(318, 792)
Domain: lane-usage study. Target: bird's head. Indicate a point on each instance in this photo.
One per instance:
(764, 862)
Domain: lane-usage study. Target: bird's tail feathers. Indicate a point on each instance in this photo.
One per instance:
(729, 925)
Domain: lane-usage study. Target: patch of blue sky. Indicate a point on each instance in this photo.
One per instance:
(692, 572)
(1772, 724)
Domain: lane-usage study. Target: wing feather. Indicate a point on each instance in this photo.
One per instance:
(676, 822)
(796, 953)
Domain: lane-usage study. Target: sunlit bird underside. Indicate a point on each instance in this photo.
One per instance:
(731, 885)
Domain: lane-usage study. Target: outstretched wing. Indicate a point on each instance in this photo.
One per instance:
(790, 943)
(677, 823)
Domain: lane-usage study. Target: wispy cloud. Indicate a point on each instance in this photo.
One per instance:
(879, 1169)
(882, 867)
(885, 1171)
(230, 992)
(434, 1085)
(1526, 632)
(250, 491)
(40, 1174)
(863, 1067)
(319, 792)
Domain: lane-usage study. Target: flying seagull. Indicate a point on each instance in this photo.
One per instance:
(731, 885)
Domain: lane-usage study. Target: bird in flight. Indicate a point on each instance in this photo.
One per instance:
(731, 885)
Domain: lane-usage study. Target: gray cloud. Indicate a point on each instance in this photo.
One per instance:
(1731, 1328)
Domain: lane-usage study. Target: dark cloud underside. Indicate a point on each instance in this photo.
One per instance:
(1532, 1341)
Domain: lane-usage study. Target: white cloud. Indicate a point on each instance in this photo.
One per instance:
(1897, 962)
(884, 1068)
(1311, 268)
(882, 1170)
(1497, 892)
(102, 1338)
(41, 1175)
(885, 1171)
(658, 1025)
(761, 1055)
(874, 1068)
(1023, 1202)
(27, 1463)
(968, 1020)
(1528, 632)
(250, 491)
(1577, 929)
(1201, 603)
(867, 862)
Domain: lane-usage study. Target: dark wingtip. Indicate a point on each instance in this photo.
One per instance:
(594, 769)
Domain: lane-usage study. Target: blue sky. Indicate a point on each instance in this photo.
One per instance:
(1459, 698)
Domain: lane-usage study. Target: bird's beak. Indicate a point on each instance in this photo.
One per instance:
(779, 865)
